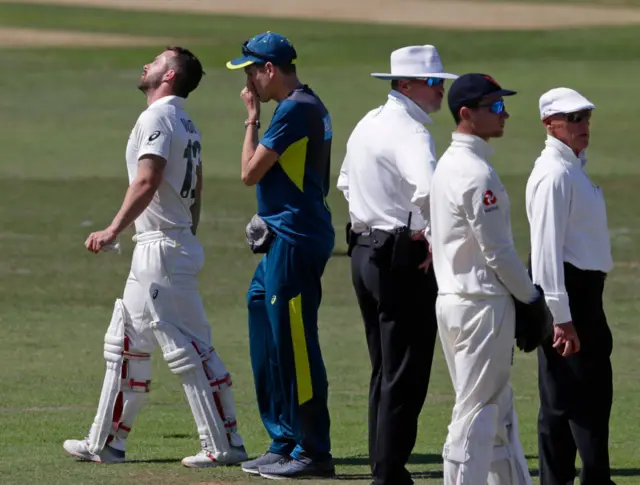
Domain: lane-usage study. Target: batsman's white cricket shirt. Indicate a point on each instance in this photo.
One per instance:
(386, 172)
(568, 223)
(164, 129)
(472, 244)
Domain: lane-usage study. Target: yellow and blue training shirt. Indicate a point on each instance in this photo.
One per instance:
(292, 194)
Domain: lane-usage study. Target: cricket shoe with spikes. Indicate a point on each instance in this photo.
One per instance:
(204, 459)
(80, 449)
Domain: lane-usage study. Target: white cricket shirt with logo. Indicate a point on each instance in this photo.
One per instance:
(471, 239)
(166, 130)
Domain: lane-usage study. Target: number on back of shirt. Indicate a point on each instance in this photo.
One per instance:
(192, 155)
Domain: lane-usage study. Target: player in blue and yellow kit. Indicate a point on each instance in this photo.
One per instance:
(290, 166)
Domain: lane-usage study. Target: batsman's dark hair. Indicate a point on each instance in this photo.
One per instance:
(188, 70)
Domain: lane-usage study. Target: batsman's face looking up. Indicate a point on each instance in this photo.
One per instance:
(157, 72)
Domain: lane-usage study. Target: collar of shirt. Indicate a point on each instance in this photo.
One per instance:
(403, 102)
(472, 142)
(176, 101)
(565, 152)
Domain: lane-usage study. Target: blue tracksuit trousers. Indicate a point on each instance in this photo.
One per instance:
(289, 373)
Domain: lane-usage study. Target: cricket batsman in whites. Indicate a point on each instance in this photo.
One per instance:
(161, 304)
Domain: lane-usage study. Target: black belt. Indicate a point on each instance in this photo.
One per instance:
(365, 239)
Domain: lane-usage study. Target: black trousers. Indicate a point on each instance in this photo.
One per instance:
(576, 392)
(398, 309)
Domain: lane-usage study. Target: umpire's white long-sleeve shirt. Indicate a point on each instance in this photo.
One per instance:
(472, 244)
(386, 172)
(568, 223)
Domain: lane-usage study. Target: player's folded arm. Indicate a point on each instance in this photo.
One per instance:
(263, 159)
(288, 126)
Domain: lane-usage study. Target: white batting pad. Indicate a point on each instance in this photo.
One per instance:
(125, 386)
(113, 355)
(185, 361)
(221, 387)
(521, 475)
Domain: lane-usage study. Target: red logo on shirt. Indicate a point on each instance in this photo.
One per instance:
(489, 198)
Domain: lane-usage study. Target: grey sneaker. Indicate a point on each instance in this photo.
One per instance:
(267, 459)
(289, 467)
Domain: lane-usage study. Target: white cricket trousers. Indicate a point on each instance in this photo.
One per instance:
(171, 260)
(165, 264)
(482, 445)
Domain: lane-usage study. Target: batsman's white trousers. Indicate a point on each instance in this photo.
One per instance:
(482, 445)
(163, 306)
(176, 257)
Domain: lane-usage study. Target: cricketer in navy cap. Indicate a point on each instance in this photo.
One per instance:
(475, 90)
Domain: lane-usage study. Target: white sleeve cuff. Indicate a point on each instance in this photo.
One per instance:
(559, 306)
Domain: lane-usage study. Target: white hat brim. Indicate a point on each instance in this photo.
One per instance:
(565, 110)
(444, 75)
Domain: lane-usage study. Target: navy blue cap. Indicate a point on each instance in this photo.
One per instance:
(263, 48)
(471, 88)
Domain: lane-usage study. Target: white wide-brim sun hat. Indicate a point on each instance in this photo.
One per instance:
(415, 62)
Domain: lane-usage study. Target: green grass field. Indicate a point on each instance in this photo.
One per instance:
(66, 114)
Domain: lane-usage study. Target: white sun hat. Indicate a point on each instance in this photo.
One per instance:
(415, 62)
(562, 100)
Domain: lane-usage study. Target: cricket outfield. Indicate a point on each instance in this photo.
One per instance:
(67, 105)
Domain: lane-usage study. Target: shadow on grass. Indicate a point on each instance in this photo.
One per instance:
(362, 476)
(625, 472)
(155, 460)
(130, 462)
(416, 459)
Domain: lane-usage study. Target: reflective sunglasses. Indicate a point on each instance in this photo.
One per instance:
(579, 116)
(496, 107)
(434, 81)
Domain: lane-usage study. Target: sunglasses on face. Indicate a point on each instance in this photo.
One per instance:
(579, 116)
(434, 81)
(496, 107)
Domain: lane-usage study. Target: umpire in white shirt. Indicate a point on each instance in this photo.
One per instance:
(386, 177)
(479, 273)
(570, 258)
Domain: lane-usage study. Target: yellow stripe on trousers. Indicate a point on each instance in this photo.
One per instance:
(300, 354)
